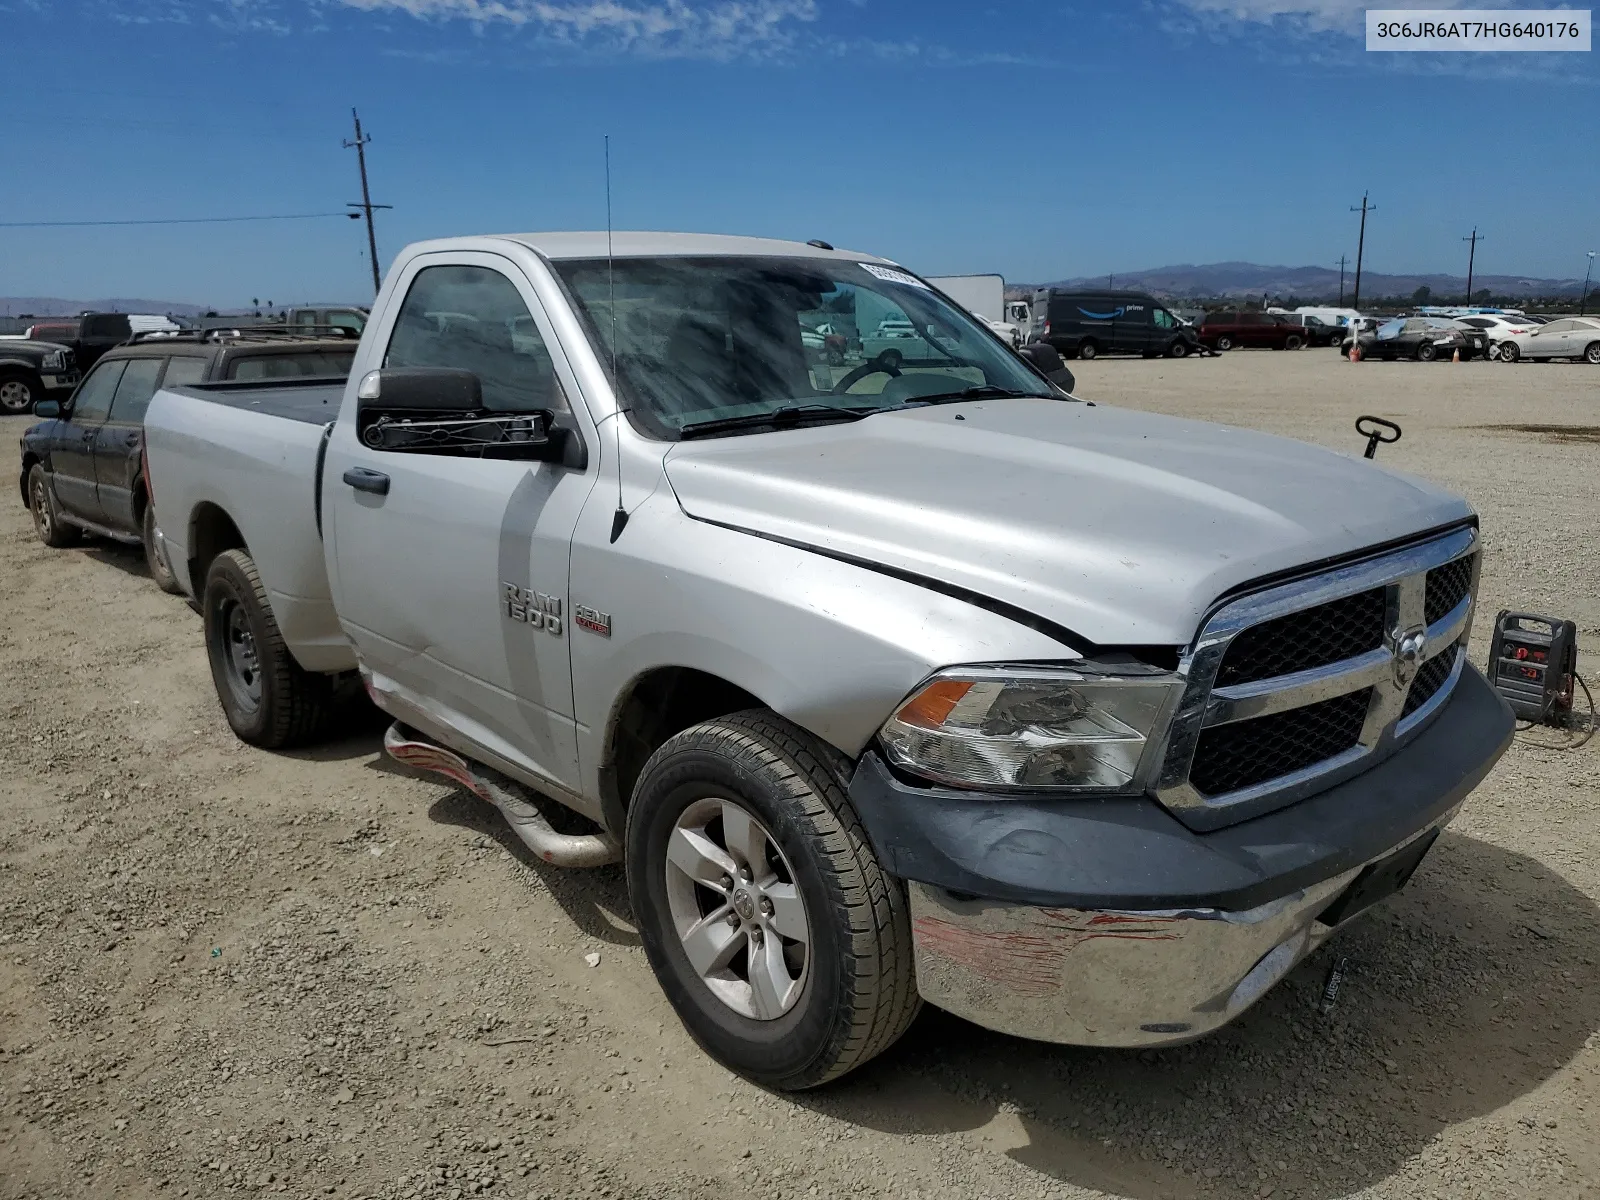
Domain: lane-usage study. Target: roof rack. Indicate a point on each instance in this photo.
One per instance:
(246, 333)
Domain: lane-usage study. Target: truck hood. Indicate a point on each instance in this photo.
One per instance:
(1123, 527)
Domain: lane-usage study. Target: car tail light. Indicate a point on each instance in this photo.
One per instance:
(1047, 329)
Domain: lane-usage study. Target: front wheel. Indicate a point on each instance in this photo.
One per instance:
(18, 392)
(1509, 352)
(777, 937)
(1224, 342)
(1427, 352)
(1177, 350)
(1591, 353)
(269, 699)
(154, 559)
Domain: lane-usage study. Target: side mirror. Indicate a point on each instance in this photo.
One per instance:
(47, 409)
(439, 410)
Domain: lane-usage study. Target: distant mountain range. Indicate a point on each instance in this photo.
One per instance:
(54, 306)
(1246, 280)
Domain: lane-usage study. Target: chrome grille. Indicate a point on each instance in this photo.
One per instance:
(1241, 755)
(1306, 640)
(1294, 688)
(1447, 587)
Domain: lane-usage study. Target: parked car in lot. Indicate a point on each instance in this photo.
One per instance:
(1566, 337)
(1260, 330)
(82, 467)
(99, 332)
(62, 330)
(1089, 324)
(1318, 331)
(31, 371)
(1500, 330)
(1425, 339)
(927, 681)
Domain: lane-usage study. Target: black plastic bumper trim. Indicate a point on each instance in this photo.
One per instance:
(1130, 853)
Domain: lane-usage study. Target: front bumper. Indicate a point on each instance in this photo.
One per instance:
(1108, 922)
(63, 381)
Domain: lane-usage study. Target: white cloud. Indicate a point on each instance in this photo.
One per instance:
(1345, 15)
(723, 29)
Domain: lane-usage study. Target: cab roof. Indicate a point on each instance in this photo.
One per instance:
(635, 244)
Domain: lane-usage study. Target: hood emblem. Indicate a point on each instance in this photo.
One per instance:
(1407, 655)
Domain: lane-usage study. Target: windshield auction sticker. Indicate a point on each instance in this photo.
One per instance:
(1467, 29)
(888, 276)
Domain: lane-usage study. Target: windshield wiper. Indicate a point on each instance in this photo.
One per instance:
(778, 418)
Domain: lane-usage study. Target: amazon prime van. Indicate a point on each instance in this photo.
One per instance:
(1089, 324)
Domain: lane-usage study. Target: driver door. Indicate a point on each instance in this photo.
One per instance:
(449, 571)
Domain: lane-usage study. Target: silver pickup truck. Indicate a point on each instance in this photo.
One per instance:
(889, 678)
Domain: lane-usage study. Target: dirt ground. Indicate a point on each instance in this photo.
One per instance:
(226, 971)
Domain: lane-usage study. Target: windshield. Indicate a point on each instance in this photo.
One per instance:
(708, 339)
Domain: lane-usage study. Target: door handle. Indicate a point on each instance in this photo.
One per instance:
(131, 439)
(364, 480)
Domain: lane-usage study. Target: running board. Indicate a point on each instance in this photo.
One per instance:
(116, 535)
(558, 849)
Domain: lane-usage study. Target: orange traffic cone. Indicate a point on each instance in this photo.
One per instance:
(1456, 357)
(1355, 351)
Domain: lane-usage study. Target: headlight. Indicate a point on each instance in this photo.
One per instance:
(53, 361)
(1086, 729)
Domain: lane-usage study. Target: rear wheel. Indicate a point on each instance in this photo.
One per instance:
(1293, 342)
(776, 935)
(18, 392)
(1224, 342)
(154, 559)
(1591, 353)
(1087, 349)
(47, 522)
(1510, 352)
(268, 698)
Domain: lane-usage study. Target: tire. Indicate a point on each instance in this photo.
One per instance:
(1178, 350)
(47, 522)
(18, 393)
(1510, 352)
(1224, 343)
(842, 995)
(1591, 353)
(1427, 352)
(1293, 342)
(160, 572)
(269, 699)
(1088, 349)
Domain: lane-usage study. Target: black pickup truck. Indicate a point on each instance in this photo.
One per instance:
(83, 468)
(31, 371)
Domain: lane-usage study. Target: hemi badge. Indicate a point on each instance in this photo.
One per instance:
(591, 619)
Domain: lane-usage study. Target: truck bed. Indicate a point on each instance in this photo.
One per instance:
(250, 453)
(315, 401)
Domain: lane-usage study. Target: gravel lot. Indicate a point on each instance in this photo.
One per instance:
(223, 970)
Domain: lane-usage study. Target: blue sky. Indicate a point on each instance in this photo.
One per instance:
(1039, 140)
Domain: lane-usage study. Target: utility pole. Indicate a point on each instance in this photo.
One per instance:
(1472, 258)
(366, 206)
(1343, 259)
(1583, 301)
(1361, 246)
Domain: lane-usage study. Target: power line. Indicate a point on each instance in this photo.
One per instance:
(168, 221)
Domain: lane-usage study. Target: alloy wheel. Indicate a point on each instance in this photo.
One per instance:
(737, 909)
(43, 521)
(16, 396)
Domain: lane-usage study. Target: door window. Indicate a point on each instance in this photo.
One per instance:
(1164, 319)
(1560, 327)
(92, 401)
(184, 370)
(473, 318)
(134, 390)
